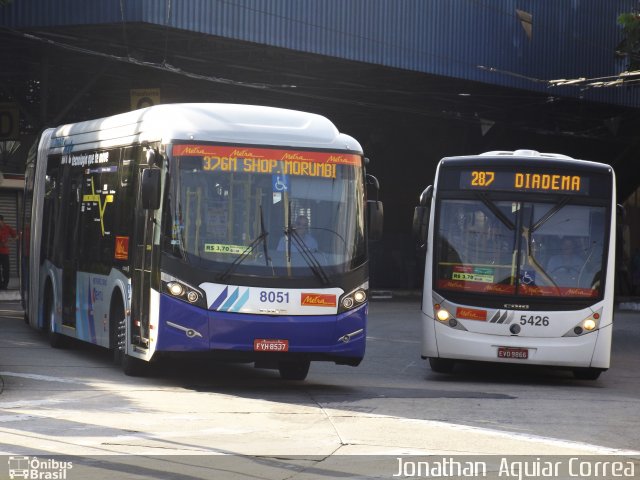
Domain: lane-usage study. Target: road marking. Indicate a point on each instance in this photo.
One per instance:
(44, 378)
(593, 449)
(29, 403)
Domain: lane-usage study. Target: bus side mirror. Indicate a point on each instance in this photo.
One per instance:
(421, 225)
(620, 213)
(375, 218)
(421, 215)
(150, 188)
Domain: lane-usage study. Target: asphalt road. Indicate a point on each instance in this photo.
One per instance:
(76, 402)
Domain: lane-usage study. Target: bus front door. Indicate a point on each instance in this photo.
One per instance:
(141, 280)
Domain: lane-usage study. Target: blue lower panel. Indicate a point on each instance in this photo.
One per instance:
(195, 329)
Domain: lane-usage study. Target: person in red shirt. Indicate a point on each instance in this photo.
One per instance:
(6, 233)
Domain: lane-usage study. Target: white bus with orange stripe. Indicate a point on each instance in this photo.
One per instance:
(519, 261)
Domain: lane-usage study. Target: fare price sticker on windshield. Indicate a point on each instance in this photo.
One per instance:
(472, 274)
(224, 248)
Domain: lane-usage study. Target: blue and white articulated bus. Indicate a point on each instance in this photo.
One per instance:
(519, 261)
(175, 229)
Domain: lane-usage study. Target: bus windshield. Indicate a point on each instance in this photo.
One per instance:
(534, 248)
(265, 212)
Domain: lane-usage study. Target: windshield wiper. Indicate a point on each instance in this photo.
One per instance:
(496, 211)
(309, 257)
(247, 251)
(263, 234)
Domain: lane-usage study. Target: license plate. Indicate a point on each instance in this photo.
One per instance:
(267, 345)
(510, 352)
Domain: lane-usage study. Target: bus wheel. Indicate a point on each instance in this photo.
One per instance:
(294, 370)
(134, 367)
(441, 365)
(586, 373)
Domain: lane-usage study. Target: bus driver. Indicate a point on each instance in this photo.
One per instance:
(301, 227)
(565, 267)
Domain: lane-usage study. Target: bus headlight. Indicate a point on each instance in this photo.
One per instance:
(442, 314)
(360, 296)
(182, 291)
(175, 289)
(192, 296)
(446, 318)
(355, 298)
(587, 325)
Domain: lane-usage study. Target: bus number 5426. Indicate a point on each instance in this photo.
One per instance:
(535, 320)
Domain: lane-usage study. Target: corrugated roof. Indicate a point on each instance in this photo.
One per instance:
(454, 38)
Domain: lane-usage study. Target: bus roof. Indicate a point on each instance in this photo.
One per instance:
(204, 122)
(524, 153)
(533, 156)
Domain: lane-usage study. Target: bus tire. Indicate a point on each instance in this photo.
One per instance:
(441, 365)
(56, 340)
(133, 366)
(586, 373)
(295, 370)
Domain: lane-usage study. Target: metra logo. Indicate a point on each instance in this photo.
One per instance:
(243, 154)
(498, 288)
(340, 159)
(578, 292)
(191, 150)
(293, 156)
(317, 300)
(471, 313)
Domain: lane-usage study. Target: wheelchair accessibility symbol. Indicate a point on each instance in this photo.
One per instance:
(280, 183)
(528, 277)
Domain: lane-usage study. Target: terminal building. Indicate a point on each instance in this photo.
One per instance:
(412, 80)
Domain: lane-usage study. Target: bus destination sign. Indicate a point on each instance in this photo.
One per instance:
(521, 181)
